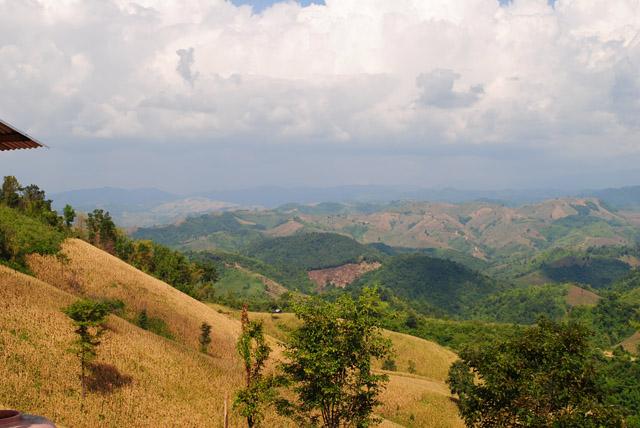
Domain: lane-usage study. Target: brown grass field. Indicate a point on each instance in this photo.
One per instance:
(632, 343)
(145, 380)
(577, 296)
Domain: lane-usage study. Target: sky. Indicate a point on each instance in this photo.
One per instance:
(210, 94)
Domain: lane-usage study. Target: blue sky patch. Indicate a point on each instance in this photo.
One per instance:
(260, 5)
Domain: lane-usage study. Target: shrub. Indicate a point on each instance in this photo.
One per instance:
(389, 364)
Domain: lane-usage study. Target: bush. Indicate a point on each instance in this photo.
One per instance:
(389, 364)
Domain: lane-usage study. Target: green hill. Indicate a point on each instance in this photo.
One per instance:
(597, 267)
(291, 257)
(224, 231)
(432, 285)
(312, 251)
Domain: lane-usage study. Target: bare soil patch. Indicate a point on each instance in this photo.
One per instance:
(341, 276)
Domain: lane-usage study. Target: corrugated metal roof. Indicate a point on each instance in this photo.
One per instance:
(12, 139)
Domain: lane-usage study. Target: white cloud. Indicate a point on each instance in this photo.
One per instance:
(406, 74)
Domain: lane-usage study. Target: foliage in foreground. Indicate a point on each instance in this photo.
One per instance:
(329, 360)
(259, 390)
(546, 376)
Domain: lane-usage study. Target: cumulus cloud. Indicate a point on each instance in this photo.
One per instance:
(407, 74)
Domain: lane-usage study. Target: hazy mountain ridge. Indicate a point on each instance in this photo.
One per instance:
(482, 230)
(148, 207)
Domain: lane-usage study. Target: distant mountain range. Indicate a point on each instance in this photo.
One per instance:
(150, 206)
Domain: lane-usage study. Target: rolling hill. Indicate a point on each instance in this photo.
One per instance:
(142, 377)
(432, 285)
(484, 231)
(312, 251)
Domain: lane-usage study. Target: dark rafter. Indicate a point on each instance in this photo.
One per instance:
(13, 139)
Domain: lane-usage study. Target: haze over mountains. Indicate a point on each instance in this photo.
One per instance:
(150, 206)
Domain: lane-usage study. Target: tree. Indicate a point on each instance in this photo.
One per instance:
(88, 317)
(259, 390)
(545, 376)
(10, 188)
(69, 215)
(102, 230)
(205, 337)
(329, 361)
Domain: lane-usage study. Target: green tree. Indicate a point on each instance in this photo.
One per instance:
(88, 317)
(205, 337)
(329, 361)
(545, 376)
(69, 215)
(259, 390)
(102, 230)
(10, 192)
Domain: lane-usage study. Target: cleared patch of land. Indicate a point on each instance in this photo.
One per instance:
(341, 276)
(577, 296)
(631, 344)
(285, 229)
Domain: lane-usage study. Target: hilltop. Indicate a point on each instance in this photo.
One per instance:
(434, 286)
(148, 207)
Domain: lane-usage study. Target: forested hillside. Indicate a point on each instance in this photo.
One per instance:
(431, 285)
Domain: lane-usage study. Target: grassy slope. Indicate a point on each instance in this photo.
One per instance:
(168, 379)
(161, 379)
(93, 272)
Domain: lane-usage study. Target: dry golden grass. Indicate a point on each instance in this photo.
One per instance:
(415, 402)
(431, 360)
(94, 273)
(163, 382)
